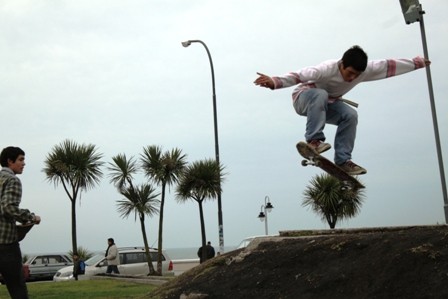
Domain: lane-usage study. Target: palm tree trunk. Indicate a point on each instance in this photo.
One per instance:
(145, 242)
(160, 243)
(331, 219)
(204, 238)
(74, 242)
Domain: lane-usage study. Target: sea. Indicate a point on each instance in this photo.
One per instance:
(173, 253)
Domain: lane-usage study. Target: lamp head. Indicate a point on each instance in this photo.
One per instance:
(412, 10)
(186, 43)
(261, 216)
(269, 207)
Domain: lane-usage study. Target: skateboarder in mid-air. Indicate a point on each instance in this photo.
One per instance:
(319, 91)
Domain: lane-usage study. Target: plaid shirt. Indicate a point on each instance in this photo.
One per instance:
(10, 197)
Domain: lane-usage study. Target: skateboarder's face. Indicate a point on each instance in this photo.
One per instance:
(17, 165)
(349, 73)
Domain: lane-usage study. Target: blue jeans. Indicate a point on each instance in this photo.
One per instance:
(12, 272)
(313, 103)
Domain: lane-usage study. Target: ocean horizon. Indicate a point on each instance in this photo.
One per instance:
(173, 253)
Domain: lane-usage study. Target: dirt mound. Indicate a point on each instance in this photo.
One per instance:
(403, 262)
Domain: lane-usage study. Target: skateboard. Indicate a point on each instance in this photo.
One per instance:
(23, 229)
(315, 159)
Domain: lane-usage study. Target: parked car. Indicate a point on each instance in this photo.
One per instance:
(132, 262)
(45, 266)
(246, 241)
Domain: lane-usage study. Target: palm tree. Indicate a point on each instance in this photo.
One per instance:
(122, 171)
(200, 180)
(82, 252)
(327, 198)
(78, 168)
(140, 200)
(164, 169)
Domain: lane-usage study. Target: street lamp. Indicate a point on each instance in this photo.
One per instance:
(265, 209)
(413, 12)
(215, 122)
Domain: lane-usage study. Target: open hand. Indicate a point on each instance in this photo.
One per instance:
(264, 81)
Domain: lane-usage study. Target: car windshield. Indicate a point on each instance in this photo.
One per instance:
(94, 259)
(245, 242)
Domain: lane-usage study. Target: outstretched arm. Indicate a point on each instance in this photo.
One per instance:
(385, 68)
(264, 81)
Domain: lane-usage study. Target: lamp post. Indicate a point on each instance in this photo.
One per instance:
(265, 209)
(413, 12)
(215, 122)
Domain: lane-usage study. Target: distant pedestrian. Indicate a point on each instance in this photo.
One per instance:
(112, 257)
(210, 250)
(206, 252)
(78, 266)
(12, 160)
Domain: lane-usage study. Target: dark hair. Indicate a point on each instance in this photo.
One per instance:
(10, 153)
(111, 240)
(356, 58)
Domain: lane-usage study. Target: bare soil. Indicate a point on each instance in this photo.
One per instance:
(401, 262)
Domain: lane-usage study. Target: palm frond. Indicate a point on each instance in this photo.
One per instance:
(141, 200)
(122, 170)
(326, 198)
(76, 165)
(163, 168)
(201, 179)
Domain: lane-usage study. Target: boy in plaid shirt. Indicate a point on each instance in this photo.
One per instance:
(12, 160)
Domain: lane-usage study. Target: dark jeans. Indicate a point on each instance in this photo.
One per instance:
(11, 269)
(112, 268)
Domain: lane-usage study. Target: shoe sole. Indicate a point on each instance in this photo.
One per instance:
(356, 172)
(324, 149)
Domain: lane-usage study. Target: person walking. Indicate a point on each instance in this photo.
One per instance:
(112, 257)
(12, 160)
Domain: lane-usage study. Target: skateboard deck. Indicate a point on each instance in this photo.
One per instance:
(23, 229)
(315, 159)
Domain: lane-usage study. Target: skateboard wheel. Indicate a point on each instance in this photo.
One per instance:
(304, 163)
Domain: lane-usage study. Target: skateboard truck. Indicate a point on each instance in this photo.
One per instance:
(310, 161)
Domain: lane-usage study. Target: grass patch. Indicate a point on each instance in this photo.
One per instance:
(85, 289)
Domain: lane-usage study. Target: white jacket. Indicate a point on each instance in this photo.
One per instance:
(113, 258)
(328, 77)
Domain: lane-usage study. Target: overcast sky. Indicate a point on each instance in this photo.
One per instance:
(114, 74)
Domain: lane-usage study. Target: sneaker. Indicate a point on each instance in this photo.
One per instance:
(319, 146)
(352, 169)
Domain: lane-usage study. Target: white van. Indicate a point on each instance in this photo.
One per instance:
(132, 262)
